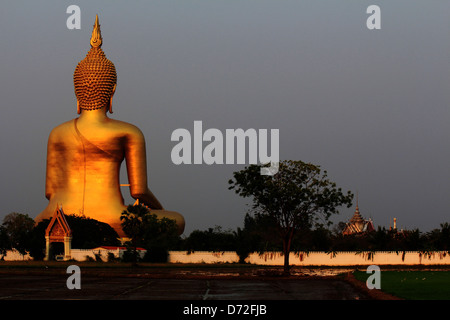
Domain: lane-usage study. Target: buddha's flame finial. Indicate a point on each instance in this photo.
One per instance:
(96, 38)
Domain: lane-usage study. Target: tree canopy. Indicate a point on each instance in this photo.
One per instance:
(146, 230)
(297, 197)
(16, 230)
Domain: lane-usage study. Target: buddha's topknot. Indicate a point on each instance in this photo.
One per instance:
(95, 76)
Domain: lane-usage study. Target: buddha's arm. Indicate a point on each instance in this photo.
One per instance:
(50, 179)
(135, 156)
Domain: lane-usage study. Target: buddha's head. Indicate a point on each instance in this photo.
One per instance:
(95, 77)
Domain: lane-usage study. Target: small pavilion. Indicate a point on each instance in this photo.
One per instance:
(58, 230)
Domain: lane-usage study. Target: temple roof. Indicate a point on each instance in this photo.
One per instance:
(357, 223)
(356, 216)
(58, 226)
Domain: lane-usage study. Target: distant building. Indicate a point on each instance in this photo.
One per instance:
(357, 224)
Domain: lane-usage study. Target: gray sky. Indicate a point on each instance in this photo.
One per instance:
(369, 106)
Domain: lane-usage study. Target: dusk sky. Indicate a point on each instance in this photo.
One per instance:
(372, 107)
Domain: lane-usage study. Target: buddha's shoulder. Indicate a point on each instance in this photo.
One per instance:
(124, 127)
(114, 127)
(63, 129)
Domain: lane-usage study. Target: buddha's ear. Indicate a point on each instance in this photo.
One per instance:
(78, 107)
(110, 99)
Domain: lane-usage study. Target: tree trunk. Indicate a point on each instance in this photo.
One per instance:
(134, 263)
(286, 267)
(286, 251)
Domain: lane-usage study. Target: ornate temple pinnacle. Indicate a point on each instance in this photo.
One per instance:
(96, 38)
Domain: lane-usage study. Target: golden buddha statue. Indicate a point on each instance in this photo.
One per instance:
(84, 154)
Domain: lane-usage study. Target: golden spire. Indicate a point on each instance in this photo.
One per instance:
(96, 38)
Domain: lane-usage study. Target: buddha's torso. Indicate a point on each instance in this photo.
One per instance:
(85, 161)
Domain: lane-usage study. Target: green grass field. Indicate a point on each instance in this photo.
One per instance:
(413, 285)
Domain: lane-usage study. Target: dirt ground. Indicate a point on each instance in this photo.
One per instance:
(49, 282)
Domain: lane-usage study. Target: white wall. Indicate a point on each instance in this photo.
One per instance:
(202, 257)
(14, 255)
(81, 254)
(277, 259)
(317, 258)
